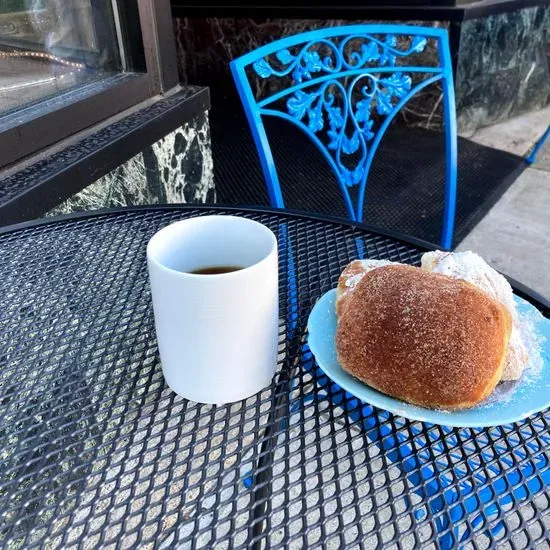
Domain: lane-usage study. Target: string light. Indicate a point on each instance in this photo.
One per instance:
(42, 55)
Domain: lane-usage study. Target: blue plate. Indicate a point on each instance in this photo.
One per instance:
(510, 402)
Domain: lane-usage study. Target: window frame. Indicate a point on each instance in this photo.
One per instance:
(28, 130)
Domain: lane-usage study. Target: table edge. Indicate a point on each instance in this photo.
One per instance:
(234, 208)
(521, 289)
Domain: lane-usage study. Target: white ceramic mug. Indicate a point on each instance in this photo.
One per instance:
(217, 334)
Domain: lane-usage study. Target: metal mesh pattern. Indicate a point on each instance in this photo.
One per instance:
(405, 190)
(96, 450)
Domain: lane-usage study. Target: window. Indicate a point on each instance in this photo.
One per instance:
(68, 64)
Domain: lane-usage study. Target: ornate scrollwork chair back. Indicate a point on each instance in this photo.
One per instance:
(342, 87)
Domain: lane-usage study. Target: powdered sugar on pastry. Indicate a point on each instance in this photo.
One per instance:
(472, 268)
(351, 276)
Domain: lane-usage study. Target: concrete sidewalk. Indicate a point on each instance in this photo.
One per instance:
(514, 237)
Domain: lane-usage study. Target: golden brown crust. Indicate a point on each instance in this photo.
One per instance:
(350, 277)
(468, 266)
(423, 337)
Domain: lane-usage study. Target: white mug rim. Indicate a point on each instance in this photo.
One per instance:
(212, 277)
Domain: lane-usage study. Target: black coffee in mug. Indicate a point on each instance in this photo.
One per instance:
(216, 270)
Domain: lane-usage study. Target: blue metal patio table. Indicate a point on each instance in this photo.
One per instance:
(97, 451)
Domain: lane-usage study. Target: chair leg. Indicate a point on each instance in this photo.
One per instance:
(450, 177)
(286, 253)
(449, 112)
(360, 246)
(533, 156)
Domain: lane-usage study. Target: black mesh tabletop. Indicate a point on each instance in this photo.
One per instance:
(97, 451)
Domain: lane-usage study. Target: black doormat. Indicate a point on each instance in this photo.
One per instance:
(406, 184)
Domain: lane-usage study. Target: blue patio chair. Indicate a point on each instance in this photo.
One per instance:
(342, 87)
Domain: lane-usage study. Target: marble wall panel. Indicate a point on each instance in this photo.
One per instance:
(502, 70)
(207, 45)
(175, 169)
(503, 67)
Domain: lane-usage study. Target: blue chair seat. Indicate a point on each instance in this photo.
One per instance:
(307, 185)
